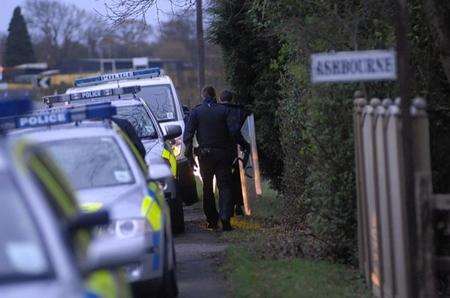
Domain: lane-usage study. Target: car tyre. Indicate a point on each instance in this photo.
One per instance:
(177, 217)
(169, 287)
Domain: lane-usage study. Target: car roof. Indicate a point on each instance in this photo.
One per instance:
(161, 80)
(124, 101)
(66, 131)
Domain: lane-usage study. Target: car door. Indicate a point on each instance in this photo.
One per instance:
(62, 202)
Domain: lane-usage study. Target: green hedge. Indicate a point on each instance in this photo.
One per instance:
(305, 131)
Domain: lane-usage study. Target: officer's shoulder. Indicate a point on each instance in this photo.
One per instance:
(232, 105)
(196, 107)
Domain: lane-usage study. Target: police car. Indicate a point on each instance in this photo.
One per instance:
(45, 244)
(106, 174)
(156, 143)
(158, 92)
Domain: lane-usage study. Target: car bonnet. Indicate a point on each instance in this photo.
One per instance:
(122, 201)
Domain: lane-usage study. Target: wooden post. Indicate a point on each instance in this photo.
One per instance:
(403, 55)
(363, 242)
(200, 47)
(424, 202)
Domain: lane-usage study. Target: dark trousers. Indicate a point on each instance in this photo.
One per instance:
(237, 188)
(217, 162)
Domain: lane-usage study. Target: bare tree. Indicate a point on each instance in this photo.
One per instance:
(200, 47)
(119, 11)
(58, 25)
(96, 29)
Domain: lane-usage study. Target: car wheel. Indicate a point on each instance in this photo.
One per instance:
(177, 216)
(169, 287)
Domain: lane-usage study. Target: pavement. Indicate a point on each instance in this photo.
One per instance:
(199, 253)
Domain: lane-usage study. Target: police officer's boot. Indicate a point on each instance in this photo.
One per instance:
(226, 225)
(212, 225)
(238, 210)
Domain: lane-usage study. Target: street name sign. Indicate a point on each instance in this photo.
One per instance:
(374, 65)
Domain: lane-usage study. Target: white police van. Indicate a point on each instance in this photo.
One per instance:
(158, 92)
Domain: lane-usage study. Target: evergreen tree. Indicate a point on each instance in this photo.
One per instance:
(18, 49)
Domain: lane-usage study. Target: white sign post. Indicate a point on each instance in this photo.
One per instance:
(372, 65)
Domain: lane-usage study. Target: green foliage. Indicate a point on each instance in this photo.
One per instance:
(249, 51)
(254, 277)
(267, 47)
(18, 49)
(263, 261)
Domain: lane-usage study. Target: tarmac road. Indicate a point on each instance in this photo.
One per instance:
(199, 253)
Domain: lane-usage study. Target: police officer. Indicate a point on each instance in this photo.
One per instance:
(237, 115)
(209, 122)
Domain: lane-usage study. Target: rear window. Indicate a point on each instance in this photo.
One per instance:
(91, 162)
(160, 100)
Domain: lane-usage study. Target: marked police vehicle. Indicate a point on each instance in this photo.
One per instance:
(156, 143)
(45, 243)
(107, 173)
(158, 92)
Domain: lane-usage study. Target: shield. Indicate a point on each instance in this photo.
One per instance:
(249, 174)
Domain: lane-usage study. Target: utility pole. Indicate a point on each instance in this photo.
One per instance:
(200, 47)
(405, 81)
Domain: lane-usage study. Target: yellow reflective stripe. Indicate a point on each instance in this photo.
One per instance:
(152, 212)
(166, 154)
(136, 153)
(102, 282)
(52, 186)
(157, 191)
(91, 207)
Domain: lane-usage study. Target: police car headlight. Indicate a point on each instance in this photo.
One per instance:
(129, 228)
(177, 146)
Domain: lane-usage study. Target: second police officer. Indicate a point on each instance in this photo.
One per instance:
(217, 137)
(237, 115)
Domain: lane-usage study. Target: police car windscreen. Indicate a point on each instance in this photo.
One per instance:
(160, 100)
(140, 119)
(22, 254)
(91, 162)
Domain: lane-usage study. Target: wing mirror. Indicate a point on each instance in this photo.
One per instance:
(111, 253)
(89, 220)
(172, 132)
(158, 172)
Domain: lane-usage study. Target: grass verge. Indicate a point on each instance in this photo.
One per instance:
(257, 268)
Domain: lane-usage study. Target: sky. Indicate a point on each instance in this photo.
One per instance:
(89, 5)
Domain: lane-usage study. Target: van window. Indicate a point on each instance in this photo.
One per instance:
(160, 100)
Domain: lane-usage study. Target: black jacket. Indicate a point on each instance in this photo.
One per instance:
(237, 115)
(216, 126)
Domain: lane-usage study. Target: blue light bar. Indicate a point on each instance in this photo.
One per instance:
(58, 116)
(93, 111)
(42, 119)
(94, 94)
(14, 107)
(132, 74)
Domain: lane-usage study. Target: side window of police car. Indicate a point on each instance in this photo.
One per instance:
(136, 155)
(58, 194)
